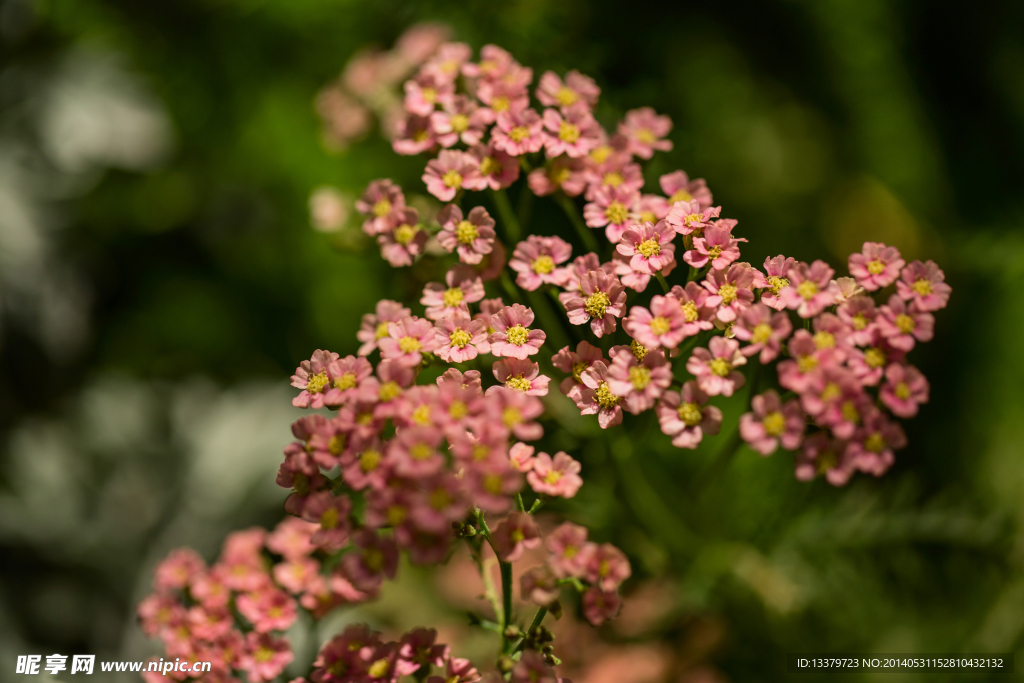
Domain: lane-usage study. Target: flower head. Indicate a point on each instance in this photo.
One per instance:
(471, 236)
(375, 325)
(311, 377)
(522, 375)
(538, 259)
(678, 187)
(686, 417)
(512, 334)
(518, 132)
(574, 363)
(514, 534)
(575, 90)
(772, 423)
(924, 283)
(600, 300)
(717, 247)
(458, 337)
(649, 247)
(903, 325)
(447, 174)
(558, 476)
(381, 201)
(572, 132)
(403, 242)
(597, 397)
(611, 207)
(764, 330)
(639, 383)
(407, 341)
(645, 130)
(714, 367)
(462, 287)
(810, 290)
(905, 388)
(663, 325)
(876, 266)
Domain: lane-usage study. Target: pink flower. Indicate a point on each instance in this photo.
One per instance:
(458, 337)
(457, 670)
(513, 535)
(446, 174)
(178, 569)
(379, 203)
(597, 398)
(264, 657)
(461, 120)
(873, 445)
(346, 656)
(468, 380)
(441, 503)
(463, 287)
(512, 335)
(373, 557)
(533, 669)
(904, 389)
(497, 169)
(517, 412)
(901, 325)
(639, 383)
(564, 173)
(521, 375)
(268, 610)
(764, 330)
(685, 416)
(507, 93)
(375, 325)
(311, 377)
(568, 546)
(472, 236)
(679, 188)
(730, 290)
(810, 290)
(717, 246)
(601, 299)
(574, 132)
(663, 325)
(425, 91)
(407, 341)
(520, 455)
(650, 207)
(345, 375)
(822, 455)
(773, 422)
(925, 284)
(580, 266)
(606, 567)
(419, 648)
(773, 280)
(290, 538)
(331, 513)
(491, 486)
(611, 207)
(402, 244)
(869, 365)
(714, 367)
(494, 63)
(644, 130)
(448, 60)
(536, 260)
(693, 300)
(649, 247)
(599, 606)
(687, 217)
(414, 452)
(830, 332)
(518, 133)
(539, 585)
(848, 287)
(805, 364)
(413, 135)
(555, 477)
(577, 89)
(876, 266)
(858, 314)
(614, 174)
(845, 409)
(574, 363)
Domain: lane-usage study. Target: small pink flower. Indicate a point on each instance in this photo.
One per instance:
(494, 63)
(663, 325)
(372, 558)
(876, 266)
(599, 606)
(639, 383)
(874, 442)
(611, 207)
(822, 455)
(773, 280)
(601, 299)
(693, 300)
(645, 130)
(441, 502)
(649, 247)
(901, 324)
(576, 89)
(848, 288)
(717, 246)
(491, 485)
(512, 335)
(380, 202)
(463, 120)
(869, 365)
(447, 61)
(678, 187)
(805, 364)
(468, 380)
(518, 133)
(830, 332)
(264, 657)
(687, 217)
(311, 377)
(650, 208)
(573, 132)
(457, 670)
(617, 173)
(533, 669)
(404, 242)
(414, 452)
(517, 412)
(331, 513)
(810, 290)
(685, 416)
(520, 455)
(375, 325)
(413, 136)
(925, 284)
(446, 174)
(558, 476)
(514, 534)
(606, 567)
(425, 91)
(458, 337)
(730, 290)
(471, 236)
(772, 423)
(574, 363)
(568, 546)
(419, 648)
(508, 93)
(407, 341)
(521, 375)
(764, 330)
(290, 538)
(497, 169)
(268, 610)
(858, 314)
(345, 375)
(539, 585)
(596, 397)
(714, 367)
(580, 266)
(537, 259)
(464, 287)
(846, 410)
(564, 173)
(905, 388)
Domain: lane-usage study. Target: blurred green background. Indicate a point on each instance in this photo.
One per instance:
(159, 281)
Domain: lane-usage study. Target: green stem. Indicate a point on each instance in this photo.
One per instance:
(718, 465)
(519, 502)
(506, 602)
(508, 217)
(525, 207)
(534, 625)
(556, 326)
(662, 282)
(586, 234)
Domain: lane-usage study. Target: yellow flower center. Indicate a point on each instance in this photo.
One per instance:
(775, 283)
(638, 349)
(453, 297)
(648, 216)
(380, 332)
(639, 377)
(369, 460)
(762, 333)
(728, 293)
(452, 179)
(421, 415)
(364, 419)
(420, 136)
(421, 451)
(714, 252)
(690, 311)
(596, 304)
(850, 412)
(489, 166)
(405, 233)
(379, 668)
(616, 212)
(577, 370)
(831, 392)
(429, 95)
(329, 519)
(649, 248)
(466, 232)
(389, 391)
(519, 383)
(875, 443)
(543, 265)
(902, 391)
(612, 179)
(517, 335)
(336, 444)
(827, 461)
(645, 136)
(346, 381)
(807, 289)
(690, 414)
(409, 344)
(558, 175)
(492, 484)
(553, 477)
(460, 123)
(601, 154)
(806, 363)
(480, 452)
(458, 409)
(519, 133)
(859, 322)
(824, 340)
(605, 397)
(316, 383)
(905, 323)
(660, 325)
(499, 103)
(774, 424)
(875, 358)
(875, 267)
(680, 196)
(459, 338)
(720, 366)
(382, 208)
(568, 132)
(263, 654)
(922, 287)
(566, 96)
(439, 499)
(511, 417)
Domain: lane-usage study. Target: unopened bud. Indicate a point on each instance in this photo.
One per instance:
(505, 664)
(513, 632)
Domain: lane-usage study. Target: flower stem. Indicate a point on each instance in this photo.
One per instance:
(585, 233)
(534, 625)
(662, 282)
(506, 602)
(508, 217)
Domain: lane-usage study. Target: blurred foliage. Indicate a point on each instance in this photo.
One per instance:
(155, 419)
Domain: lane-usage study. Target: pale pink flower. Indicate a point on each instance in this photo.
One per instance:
(491, 485)
(178, 569)
(773, 280)
(372, 558)
(297, 575)
(688, 217)
(419, 41)
(331, 513)
(407, 341)
(537, 261)
(515, 534)
(214, 623)
(633, 279)
(580, 266)
(462, 287)
(344, 117)
(448, 60)
(521, 375)
(520, 455)
(512, 334)
(925, 284)
(904, 389)
(379, 203)
(568, 546)
(375, 325)
(764, 330)
(848, 288)
(649, 247)
(600, 300)
(686, 417)
(445, 175)
(311, 377)
(872, 446)
(663, 325)
(717, 246)
(488, 307)
(877, 266)
(345, 375)
(639, 383)
(678, 187)
(574, 363)
(461, 119)
(328, 209)
(518, 133)
(614, 174)
(805, 363)
(810, 290)
(843, 413)
(425, 91)
(573, 132)
(610, 207)
(596, 397)
(471, 236)
(830, 332)
(714, 367)
(508, 93)
(441, 502)
(606, 567)
(413, 135)
(564, 173)
(517, 412)
(730, 290)
(558, 476)
(264, 657)
(822, 455)
(868, 365)
(419, 648)
(693, 300)
(458, 337)
(576, 89)
(404, 242)
(858, 313)
(497, 169)
(772, 423)
(413, 452)
(645, 130)
(290, 538)
(467, 380)
(539, 585)
(901, 324)
(599, 606)
(267, 610)
(457, 670)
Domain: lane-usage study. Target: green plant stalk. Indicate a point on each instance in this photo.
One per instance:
(662, 282)
(508, 217)
(586, 234)
(506, 602)
(534, 625)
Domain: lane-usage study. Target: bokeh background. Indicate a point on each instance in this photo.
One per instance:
(160, 280)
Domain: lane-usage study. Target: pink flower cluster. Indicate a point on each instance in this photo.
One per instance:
(359, 654)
